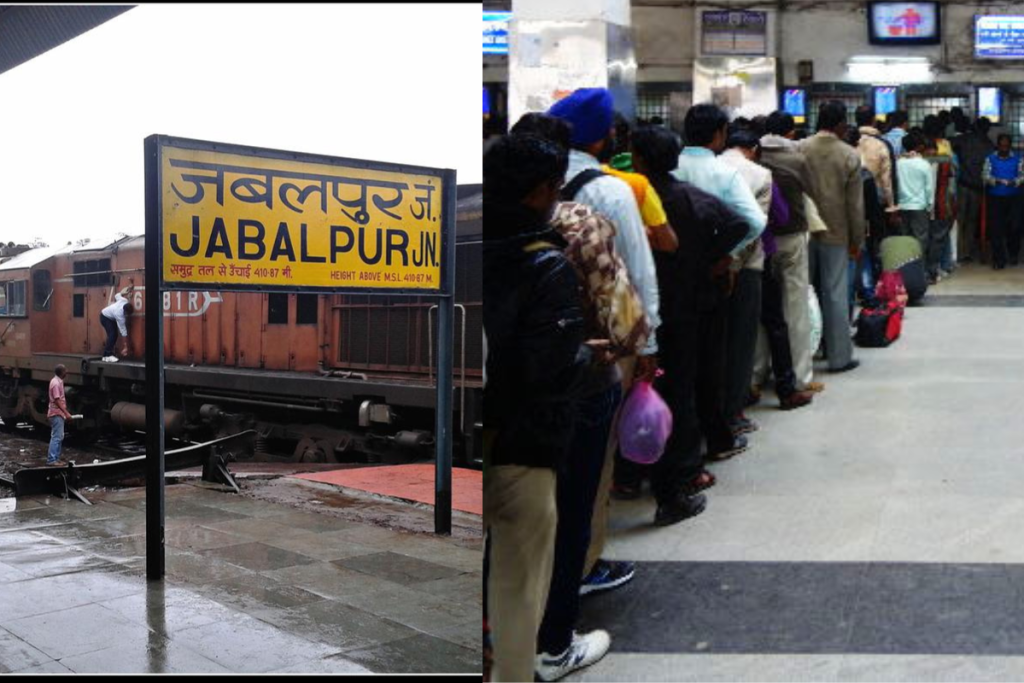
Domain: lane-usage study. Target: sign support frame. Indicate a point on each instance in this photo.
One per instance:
(155, 499)
(154, 334)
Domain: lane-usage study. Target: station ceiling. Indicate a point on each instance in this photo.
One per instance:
(27, 31)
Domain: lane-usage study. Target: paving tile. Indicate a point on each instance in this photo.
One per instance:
(258, 556)
(330, 580)
(340, 626)
(149, 654)
(9, 573)
(413, 607)
(336, 664)
(16, 654)
(200, 538)
(129, 525)
(245, 644)
(257, 529)
(259, 593)
(50, 667)
(463, 559)
(467, 589)
(311, 521)
(374, 537)
(168, 609)
(30, 519)
(419, 654)
(74, 631)
(13, 542)
(54, 561)
(398, 568)
(199, 569)
(48, 594)
(321, 546)
(467, 633)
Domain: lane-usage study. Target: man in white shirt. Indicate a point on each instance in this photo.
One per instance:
(591, 112)
(114, 319)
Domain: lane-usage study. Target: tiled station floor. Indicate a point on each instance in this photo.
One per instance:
(876, 535)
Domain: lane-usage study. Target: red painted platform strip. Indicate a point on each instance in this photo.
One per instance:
(411, 482)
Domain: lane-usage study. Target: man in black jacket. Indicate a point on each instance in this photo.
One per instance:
(693, 282)
(534, 325)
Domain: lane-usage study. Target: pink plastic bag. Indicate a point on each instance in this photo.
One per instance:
(645, 424)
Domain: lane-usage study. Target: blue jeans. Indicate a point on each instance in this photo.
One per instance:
(576, 492)
(56, 438)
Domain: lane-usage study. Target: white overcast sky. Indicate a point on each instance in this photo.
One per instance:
(395, 83)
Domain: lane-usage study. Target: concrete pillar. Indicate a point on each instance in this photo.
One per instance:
(557, 47)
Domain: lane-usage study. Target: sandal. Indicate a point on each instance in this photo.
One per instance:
(701, 482)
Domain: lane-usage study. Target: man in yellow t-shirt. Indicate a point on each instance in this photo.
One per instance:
(659, 232)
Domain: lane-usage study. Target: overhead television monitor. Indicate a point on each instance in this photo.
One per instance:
(904, 23)
(886, 100)
(998, 37)
(990, 103)
(794, 103)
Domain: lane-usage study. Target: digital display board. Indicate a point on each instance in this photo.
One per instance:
(998, 37)
(487, 102)
(885, 100)
(990, 103)
(904, 23)
(794, 103)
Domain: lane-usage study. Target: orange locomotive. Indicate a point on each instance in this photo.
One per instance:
(321, 377)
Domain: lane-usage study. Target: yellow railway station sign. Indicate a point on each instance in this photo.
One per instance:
(243, 218)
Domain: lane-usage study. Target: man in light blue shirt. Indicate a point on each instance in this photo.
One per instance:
(706, 129)
(917, 189)
(898, 121)
(706, 133)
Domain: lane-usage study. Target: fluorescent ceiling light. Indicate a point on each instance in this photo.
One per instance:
(889, 70)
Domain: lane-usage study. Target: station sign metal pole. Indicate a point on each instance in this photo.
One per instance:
(154, 367)
(445, 362)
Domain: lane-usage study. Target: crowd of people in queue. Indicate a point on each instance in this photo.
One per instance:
(617, 255)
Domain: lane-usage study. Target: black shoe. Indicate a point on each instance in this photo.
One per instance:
(739, 445)
(849, 366)
(607, 575)
(682, 508)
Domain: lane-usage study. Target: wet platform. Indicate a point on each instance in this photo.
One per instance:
(252, 586)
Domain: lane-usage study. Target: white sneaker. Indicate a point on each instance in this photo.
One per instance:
(111, 359)
(583, 651)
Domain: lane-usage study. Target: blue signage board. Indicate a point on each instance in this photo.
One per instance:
(998, 37)
(794, 103)
(885, 100)
(496, 32)
(990, 103)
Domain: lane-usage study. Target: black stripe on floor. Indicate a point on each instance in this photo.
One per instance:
(814, 608)
(976, 300)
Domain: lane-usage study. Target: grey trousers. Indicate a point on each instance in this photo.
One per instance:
(829, 273)
(917, 224)
(790, 262)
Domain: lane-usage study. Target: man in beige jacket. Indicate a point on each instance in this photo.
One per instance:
(837, 189)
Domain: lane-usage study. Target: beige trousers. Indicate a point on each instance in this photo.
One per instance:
(520, 517)
(599, 522)
(792, 266)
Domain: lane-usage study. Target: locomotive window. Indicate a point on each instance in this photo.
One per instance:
(42, 291)
(79, 306)
(14, 299)
(277, 309)
(306, 308)
(93, 273)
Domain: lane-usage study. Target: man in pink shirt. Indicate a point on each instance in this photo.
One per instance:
(57, 413)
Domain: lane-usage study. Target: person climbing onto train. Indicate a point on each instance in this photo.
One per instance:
(114, 319)
(57, 414)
